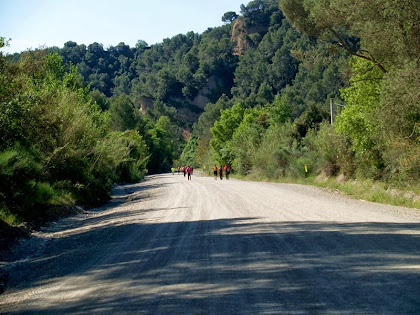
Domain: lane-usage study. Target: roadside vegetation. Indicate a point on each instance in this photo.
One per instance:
(254, 93)
(373, 144)
(361, 189)
(57, 148)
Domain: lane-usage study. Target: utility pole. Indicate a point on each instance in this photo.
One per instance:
(332, 111)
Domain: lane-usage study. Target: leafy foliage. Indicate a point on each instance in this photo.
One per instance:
(223, 131)
(56, 147)
(377, 123)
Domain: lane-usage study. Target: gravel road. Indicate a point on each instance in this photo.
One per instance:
(168, 246)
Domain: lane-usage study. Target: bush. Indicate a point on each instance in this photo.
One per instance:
(272, 158)
(55, 146)
(23, 194)
(332, 152)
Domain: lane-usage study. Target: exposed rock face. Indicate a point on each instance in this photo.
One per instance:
(202, 98)
(239, 37)
(186, 133)
(145, 103)
(188, 111)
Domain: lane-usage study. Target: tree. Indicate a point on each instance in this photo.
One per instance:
(358, 122)
(247, 138)
(4, 42)
(311, 118)
(280, 110)
(124, 115)
(161, 146)
(223, 131)
(269, 67)
(99, 98)
(122, 85)
(362, 98)
(189, 154)
(210, 115)
(229, 17)
(141, 44)
(387, 28)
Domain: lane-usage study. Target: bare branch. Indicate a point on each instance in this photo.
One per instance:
(347, 48)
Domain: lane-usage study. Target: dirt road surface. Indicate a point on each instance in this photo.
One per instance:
(169, 246)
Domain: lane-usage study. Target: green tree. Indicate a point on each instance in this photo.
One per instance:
(358, 120)
(210, 115)
(280, 110)
(267, 68)
(398, 122)
(311, 118)
(161, 146)
(132, 161)
(229, 17)
(189, 154)
(388, 30)
(122, 85)
(141, 44)
(246, 139)
(275, 153)
(100, 99)
(223, 130)
(362, 99)
(124, 115)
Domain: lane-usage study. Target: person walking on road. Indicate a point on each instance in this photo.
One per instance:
(221, 172)
(215, 171)
(189, 172)
(227, 171)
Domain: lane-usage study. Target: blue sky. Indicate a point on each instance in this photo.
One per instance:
(36, 23)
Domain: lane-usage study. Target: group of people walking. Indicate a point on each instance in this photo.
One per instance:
(187, 170)
(220, 170)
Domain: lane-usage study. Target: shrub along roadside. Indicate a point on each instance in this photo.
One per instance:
(57, 148)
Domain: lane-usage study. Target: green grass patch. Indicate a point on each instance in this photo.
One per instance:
(369, 190)
(363, 189)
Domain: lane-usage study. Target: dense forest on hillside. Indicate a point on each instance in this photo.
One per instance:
(254, 93)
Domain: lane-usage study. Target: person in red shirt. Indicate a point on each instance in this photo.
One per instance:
(189, 172)
(227, 171)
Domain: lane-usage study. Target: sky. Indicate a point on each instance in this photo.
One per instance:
(33, 24)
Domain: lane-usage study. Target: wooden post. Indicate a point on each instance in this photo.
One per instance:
(332, 111)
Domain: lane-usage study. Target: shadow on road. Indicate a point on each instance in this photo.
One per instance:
(224, 266)
(237, 266)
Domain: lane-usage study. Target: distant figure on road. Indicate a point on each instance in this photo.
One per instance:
(215, 171)
(173, 170)
(227, 171)
(221, 172)
(189, 172)
(185, 170)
